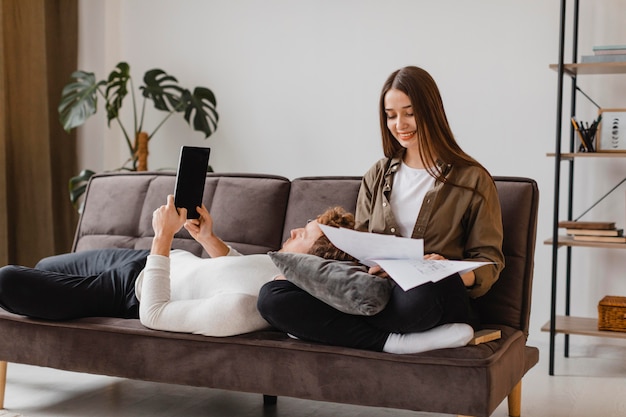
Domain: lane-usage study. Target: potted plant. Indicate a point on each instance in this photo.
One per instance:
(79, 101)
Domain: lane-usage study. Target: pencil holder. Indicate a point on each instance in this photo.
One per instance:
(586, 134)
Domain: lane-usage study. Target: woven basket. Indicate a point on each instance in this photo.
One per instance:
(612, 313)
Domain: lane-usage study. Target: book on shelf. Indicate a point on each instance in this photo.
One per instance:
(586, 59)
(610, 52)
(595, 232)
(609, 49)
(606, 239)
(574, 224)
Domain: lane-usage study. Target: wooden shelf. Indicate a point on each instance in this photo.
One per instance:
(590, 155)
(592, 68)
(581, 325)
(569, 241)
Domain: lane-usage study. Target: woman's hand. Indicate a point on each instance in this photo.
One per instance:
(378, 271)
(469, 278)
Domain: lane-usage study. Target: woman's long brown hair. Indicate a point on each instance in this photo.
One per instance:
(435, 138)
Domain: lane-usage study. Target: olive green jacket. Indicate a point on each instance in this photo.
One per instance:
(459, 222)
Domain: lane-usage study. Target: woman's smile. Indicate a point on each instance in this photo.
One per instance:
(406, 135)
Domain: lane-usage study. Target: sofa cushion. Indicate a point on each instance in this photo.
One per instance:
(310, 196)
(345, 286)
(248, 211)
(269, 362)
(508, 301)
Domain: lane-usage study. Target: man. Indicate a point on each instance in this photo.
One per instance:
(178, 291)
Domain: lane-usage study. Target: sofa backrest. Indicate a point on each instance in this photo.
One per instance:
(508, 301)
(254, 214)
(248, 210)
(311, 196)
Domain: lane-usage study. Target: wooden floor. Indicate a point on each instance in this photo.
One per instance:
(592, 382)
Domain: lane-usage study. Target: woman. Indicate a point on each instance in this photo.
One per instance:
(427, 188)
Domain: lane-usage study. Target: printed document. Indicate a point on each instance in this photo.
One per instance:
(402, 258)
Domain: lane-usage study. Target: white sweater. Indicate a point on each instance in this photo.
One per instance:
(207, 296)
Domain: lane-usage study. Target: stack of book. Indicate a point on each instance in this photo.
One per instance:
(593, 231)
(606, 53)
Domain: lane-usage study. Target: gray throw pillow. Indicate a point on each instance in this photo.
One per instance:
(343, 285)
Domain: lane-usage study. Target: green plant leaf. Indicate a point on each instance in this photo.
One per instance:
(163, 90)
(116, 90)
(202, 106)
(78, 185)
(79, 99)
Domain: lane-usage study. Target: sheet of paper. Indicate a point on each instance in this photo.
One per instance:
(365, 246)
(402, 258)
(409, 273)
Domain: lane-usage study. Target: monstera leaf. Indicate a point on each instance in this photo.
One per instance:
(163, 90)
(116, 90)
(201, 105)
(78, 185)
(79, 99)
(79, 102)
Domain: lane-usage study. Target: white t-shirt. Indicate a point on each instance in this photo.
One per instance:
(207, 296)
(410, 186)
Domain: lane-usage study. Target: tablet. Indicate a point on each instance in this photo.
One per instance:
(192, 169)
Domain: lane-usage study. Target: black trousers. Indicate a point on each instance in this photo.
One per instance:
(83, 284)
(292, 310)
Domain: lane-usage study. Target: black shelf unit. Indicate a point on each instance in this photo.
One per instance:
(566, 324)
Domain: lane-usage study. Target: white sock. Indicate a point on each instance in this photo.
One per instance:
(445, 336)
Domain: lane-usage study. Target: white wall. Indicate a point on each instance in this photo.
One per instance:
(297, 84)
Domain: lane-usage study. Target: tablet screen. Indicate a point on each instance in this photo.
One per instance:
(190, 178)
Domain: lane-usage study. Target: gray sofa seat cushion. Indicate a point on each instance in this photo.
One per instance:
(270, 362)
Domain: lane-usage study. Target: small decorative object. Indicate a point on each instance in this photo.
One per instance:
(79, 101)
(612, 130)
(612, 313)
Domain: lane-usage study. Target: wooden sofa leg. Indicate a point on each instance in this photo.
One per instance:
(515, 400)
(3, 382)
(269, 400)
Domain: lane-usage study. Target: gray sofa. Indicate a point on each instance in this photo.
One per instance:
(254, 214)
